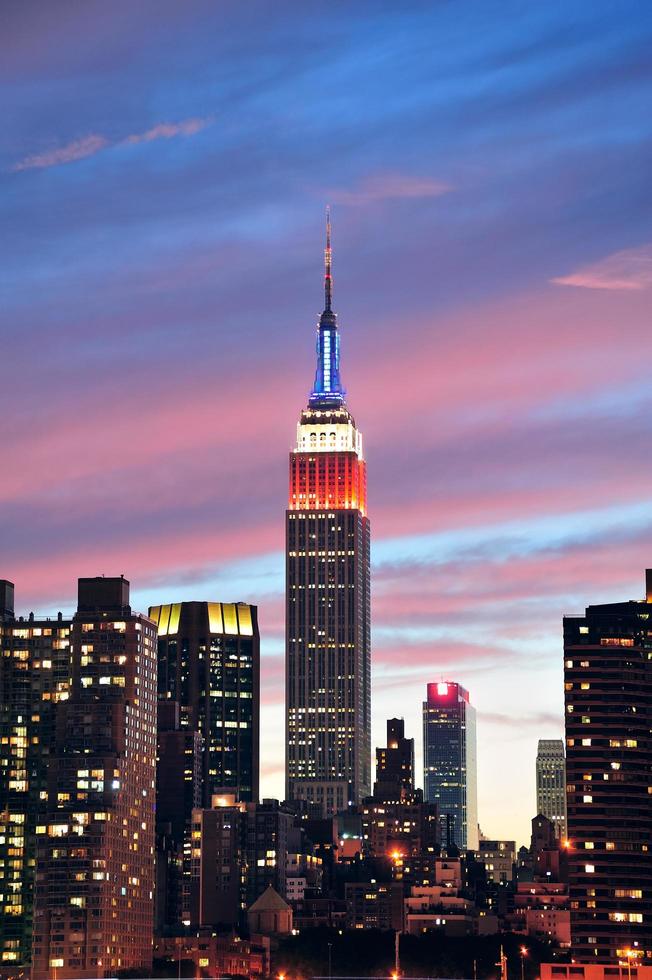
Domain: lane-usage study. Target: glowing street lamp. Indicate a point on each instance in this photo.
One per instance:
(523, 952)
(629, 953)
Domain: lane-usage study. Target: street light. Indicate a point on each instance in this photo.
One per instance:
(523, 952)
(629, 953)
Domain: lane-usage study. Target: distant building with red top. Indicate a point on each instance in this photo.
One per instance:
(450, 761)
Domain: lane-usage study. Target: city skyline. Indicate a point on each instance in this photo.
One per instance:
(510, 329)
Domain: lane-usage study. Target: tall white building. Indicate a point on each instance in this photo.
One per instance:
(551, 782)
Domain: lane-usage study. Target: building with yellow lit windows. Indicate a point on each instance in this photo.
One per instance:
(94, 888)
(34, 679)
(209, 679)
(608, 701)
(209, 663)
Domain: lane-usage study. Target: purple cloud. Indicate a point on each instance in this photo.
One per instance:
(94, 143)
(383, 187)
(626, 270)
(187, 127)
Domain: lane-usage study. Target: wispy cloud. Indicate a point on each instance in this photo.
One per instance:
(94, 143)
(630, 269)
(537, 720)
(165, 131)
(383, 187)
(87, 146)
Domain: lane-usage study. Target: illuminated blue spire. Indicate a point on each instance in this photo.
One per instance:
(327, 391)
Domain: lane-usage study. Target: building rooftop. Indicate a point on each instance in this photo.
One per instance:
(269, 901)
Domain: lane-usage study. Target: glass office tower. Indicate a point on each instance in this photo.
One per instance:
(449, 762)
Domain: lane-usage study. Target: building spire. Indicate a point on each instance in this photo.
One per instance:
(328, 278)
(327, 390)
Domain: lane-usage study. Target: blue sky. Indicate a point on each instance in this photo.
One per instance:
(164, 172)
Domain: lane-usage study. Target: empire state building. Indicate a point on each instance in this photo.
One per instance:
(328, 662)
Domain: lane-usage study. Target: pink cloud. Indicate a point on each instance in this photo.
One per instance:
(630, 269)
(383, 187)
(187, 127)
(144, 557)
(89, 146)
(163, 490)
(484, 588)
(402, 663)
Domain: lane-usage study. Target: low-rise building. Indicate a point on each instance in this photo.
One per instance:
(313, 911)
(443, 907)
(399, 828)
(270, 915)
(541, 910)
(303, 872)
(499, 857)
(214, 954)
(625, 970)
(374, 905)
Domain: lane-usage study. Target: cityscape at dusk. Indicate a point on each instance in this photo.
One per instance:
(481, 393)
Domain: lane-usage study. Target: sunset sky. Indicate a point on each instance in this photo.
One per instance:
(165, 168)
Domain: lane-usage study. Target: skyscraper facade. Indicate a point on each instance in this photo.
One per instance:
(178, 791)
(551, 783)
(219, 866)
(34, 679)
(395, 764)
(450, 761)
(93, 907)
(209, 662)
(608, 696)
(328, 662)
